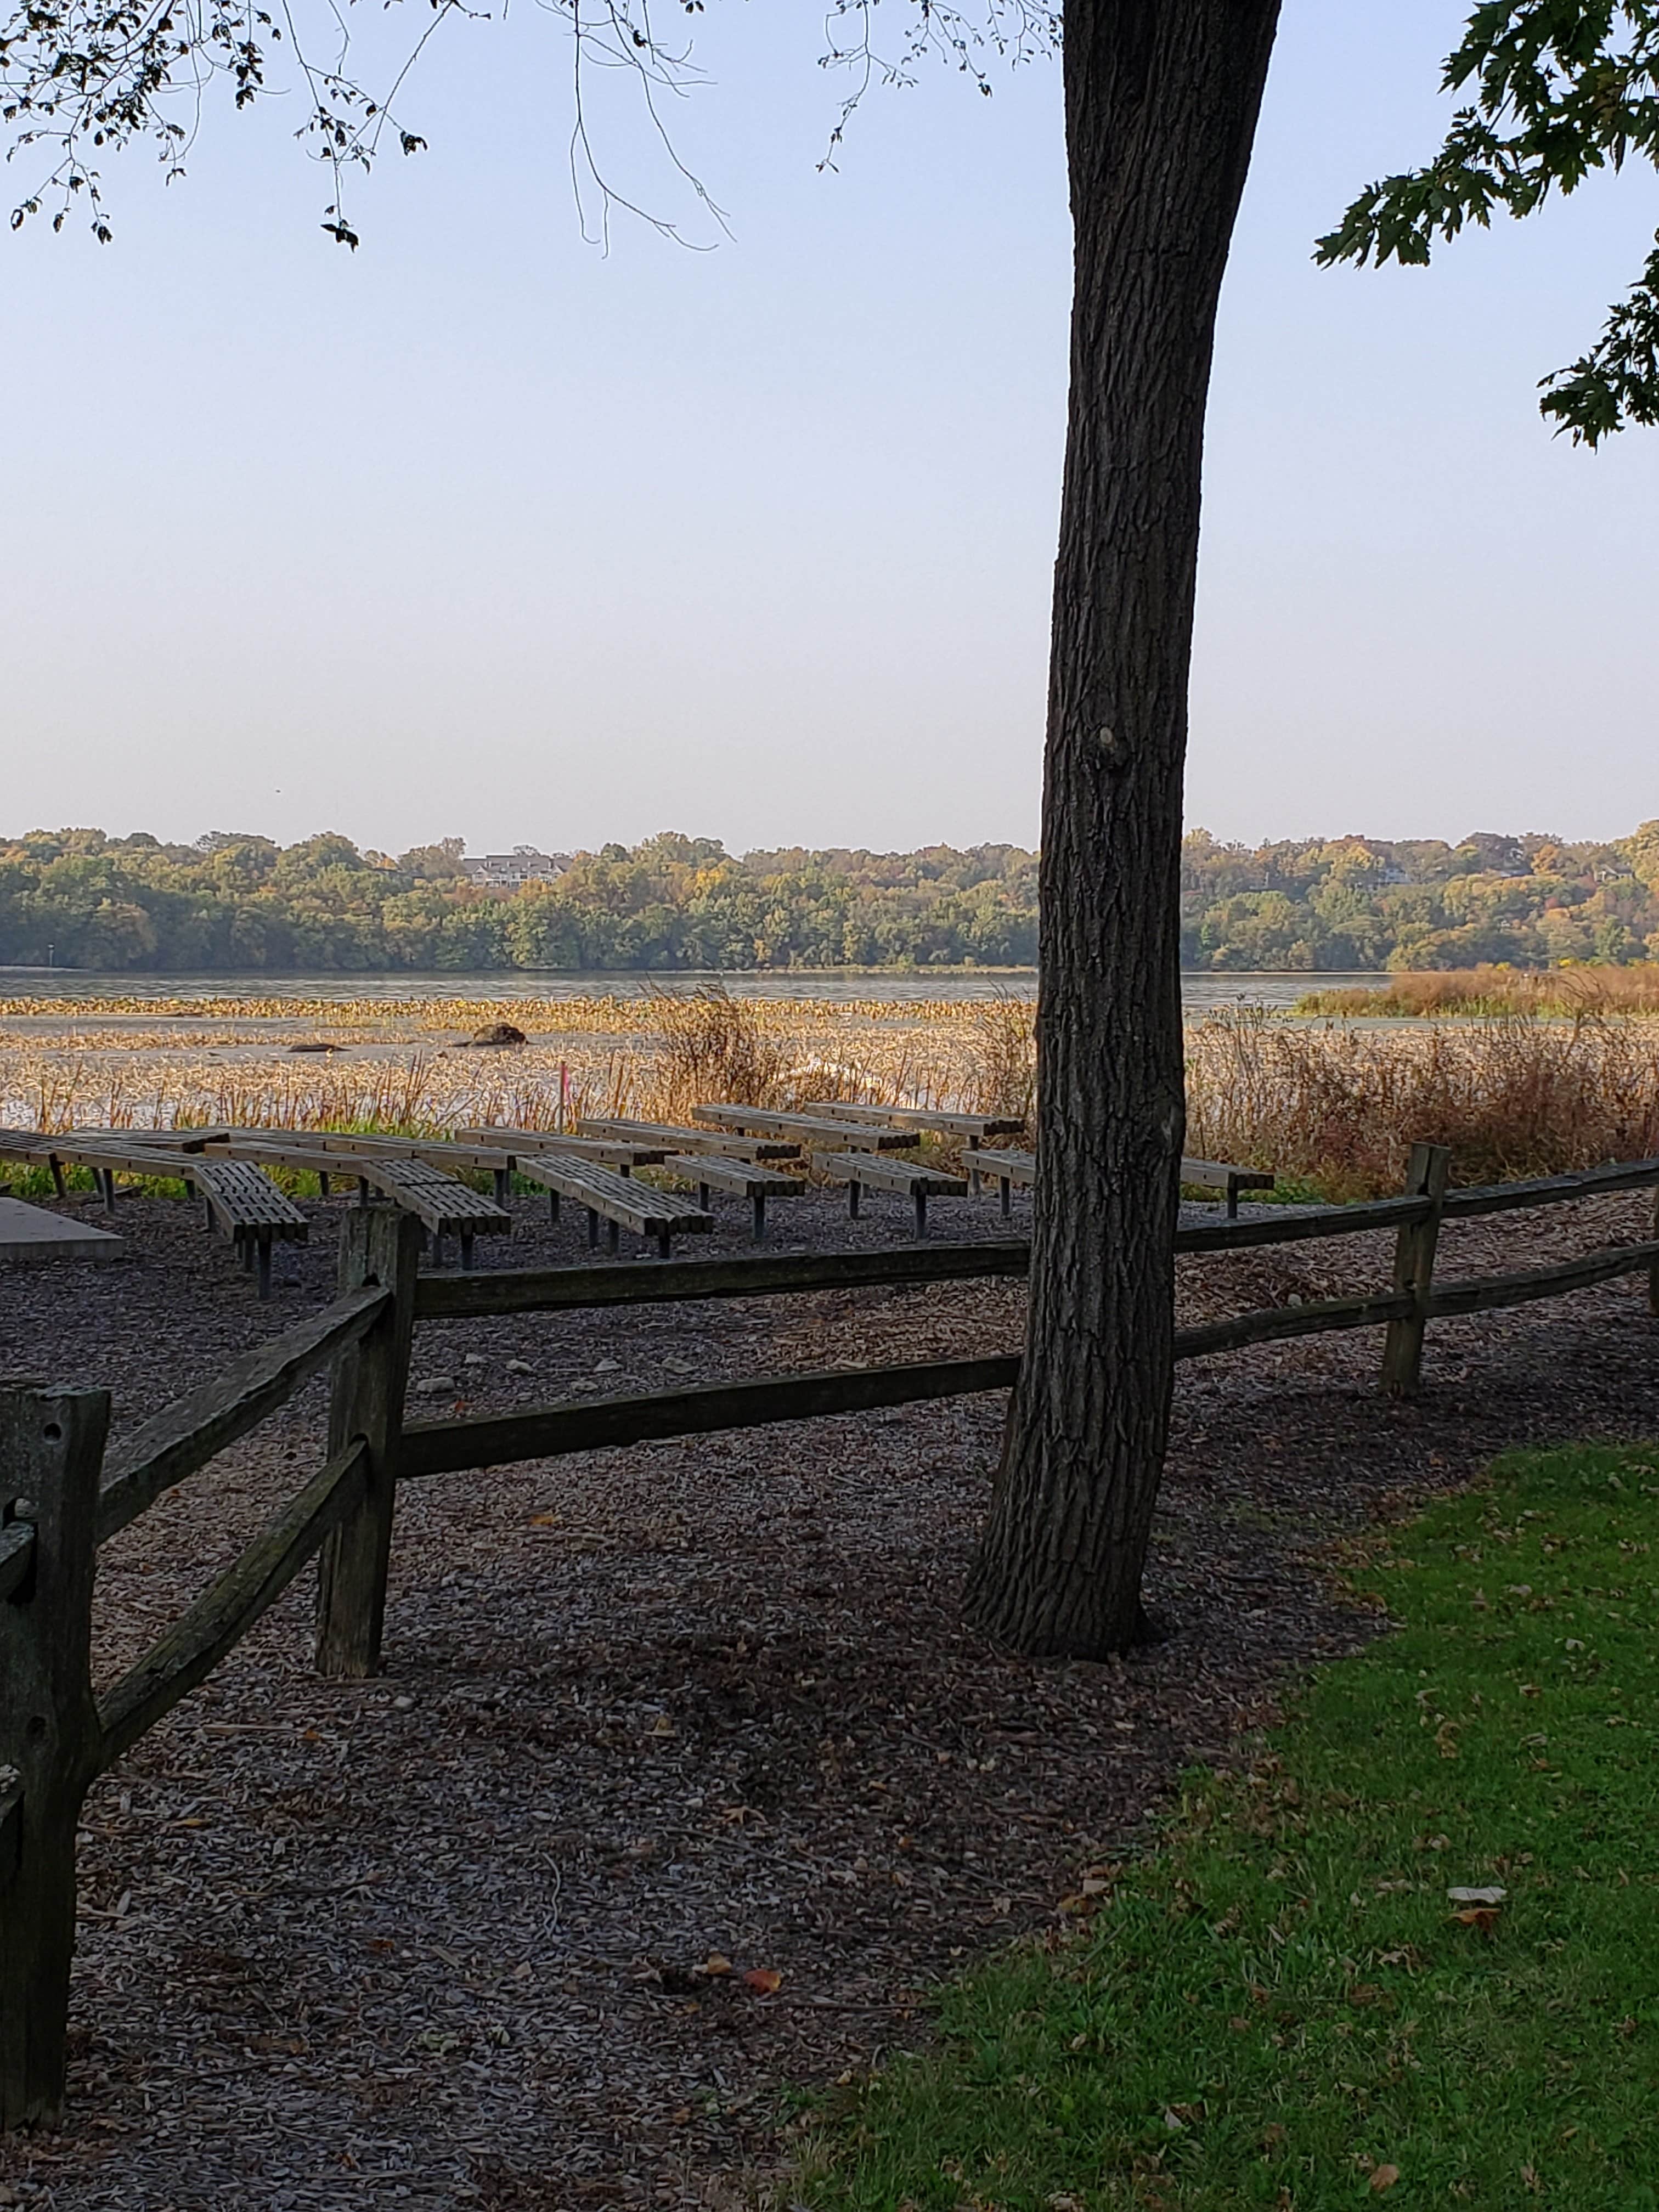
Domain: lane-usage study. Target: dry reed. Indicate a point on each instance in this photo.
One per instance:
(1338, 1108)
(1491, 991)
(1331, 1109)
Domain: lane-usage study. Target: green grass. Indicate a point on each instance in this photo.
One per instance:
(1279, 2003)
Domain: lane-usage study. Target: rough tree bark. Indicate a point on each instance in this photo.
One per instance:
(1162, 98)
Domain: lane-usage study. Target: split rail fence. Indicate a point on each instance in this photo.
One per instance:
(60, 1498)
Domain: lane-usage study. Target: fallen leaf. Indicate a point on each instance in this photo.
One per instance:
(765, 1981)
(1383, 2176)
(1483, 1917)
(717, 1963)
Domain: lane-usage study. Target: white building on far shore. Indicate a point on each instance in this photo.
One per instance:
(510, 872)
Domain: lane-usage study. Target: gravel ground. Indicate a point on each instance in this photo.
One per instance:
(454, 1937)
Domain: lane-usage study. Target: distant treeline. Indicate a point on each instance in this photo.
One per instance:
(1364, 903)
(80, 899)
(229, 903)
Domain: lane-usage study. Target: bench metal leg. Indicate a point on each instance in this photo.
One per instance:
(1007, 1196)
(322, 1183)
(503, 1184)
(921, 1213)
(206, 1213)
(1232, 1198)
(107, 1178)
(854, 1192)
(593, 1230)
(663, 1248)
(760, 1217)
(56, 1165)
(553, 1207)
(703, 1196)
(624, 1167)
(437, 1249)
(973, 1172)
(362, 1190)
(466, 1250)
(613, 1235)
(244, 1254)
(263, 1249)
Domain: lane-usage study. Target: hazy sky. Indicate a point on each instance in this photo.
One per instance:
(479, 532)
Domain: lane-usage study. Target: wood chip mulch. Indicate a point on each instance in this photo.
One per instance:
(683, 1781)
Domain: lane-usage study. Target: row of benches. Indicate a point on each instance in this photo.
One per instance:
(743, 1151)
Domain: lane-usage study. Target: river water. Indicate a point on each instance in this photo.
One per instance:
(1200, 990)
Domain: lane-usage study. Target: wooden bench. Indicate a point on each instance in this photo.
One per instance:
(857, 1171)
(743, 1178)
(809, 1131)
(621, 1201)
(244, 1205)
(443, 1207)
(1011, 1168)
(972, 1129)
(248, 1208)
(623, 1153)
(692, 1140)
(1217, 1175)
(74, 1148)
(1008, 1168)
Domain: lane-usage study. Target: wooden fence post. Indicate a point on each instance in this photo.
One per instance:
(52, 1451)
(1413, 1270)
(379, 1244)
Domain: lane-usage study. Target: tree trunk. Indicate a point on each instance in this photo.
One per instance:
(1161, 104)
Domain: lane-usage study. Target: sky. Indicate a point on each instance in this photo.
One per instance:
(483, 531)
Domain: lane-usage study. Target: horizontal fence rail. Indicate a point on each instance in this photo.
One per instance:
(1550, 1190)
(648, 1282)
(1491, 1293)
(1312, 1318)
(548, 1432)
(223, 1615)
(196, 1428)
(1288, 1225)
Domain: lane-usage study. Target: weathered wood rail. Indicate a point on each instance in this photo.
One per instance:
(59, 1499)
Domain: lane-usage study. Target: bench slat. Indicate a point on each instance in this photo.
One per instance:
(643, 1152)
(619, 1199)
(811, 1132)
(741, 1177)
(694, 1141)
(975, 1126)
(859, 1172)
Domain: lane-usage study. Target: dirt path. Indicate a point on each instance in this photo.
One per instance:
(442, 1939)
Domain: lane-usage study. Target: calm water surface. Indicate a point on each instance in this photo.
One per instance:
(1199, 991)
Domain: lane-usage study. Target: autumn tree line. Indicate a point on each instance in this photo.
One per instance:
(78, 898)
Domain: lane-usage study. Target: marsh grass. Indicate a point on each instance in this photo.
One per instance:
(1497, 990)
(1338, 1108)
(1333, 1110)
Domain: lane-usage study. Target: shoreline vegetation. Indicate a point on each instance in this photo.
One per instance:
(1332, 1109)
(237, 904)
(1485, 992)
